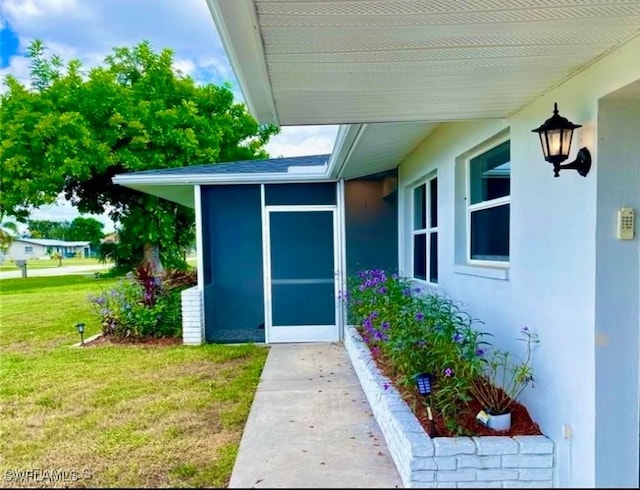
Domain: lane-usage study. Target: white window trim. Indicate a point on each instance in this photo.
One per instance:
(497, 264)
(428, 231)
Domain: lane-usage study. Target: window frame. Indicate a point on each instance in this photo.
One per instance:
(28, 249)
(492, 203)
(427, 231)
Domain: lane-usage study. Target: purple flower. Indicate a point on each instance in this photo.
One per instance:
(361, 287)
(375, 350)
(480, 352)
(385, 325)
(374, 314)
(448, 372)
(385, 385)
(419, 316)
(457, 338)
(382, 290)
(406, 291)
(525, 329)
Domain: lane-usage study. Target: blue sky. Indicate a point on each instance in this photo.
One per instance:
(89, 29)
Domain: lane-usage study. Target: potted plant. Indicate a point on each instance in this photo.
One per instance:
(501, 381)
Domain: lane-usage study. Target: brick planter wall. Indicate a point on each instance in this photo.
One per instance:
(192, 324)
(447, 462)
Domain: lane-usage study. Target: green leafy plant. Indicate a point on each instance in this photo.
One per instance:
(503, 377)
(414, 331)
(143, 305)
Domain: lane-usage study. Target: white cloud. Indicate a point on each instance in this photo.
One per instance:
(296, 141)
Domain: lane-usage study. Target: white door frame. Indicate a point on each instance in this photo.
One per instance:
(303, 333)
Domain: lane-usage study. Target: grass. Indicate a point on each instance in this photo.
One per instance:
(9, 265)
(113, 415)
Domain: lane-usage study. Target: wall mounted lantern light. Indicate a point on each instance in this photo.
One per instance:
(555, 137)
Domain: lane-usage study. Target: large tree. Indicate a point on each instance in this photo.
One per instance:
(72, 131)
(42, 228)
(86, 229)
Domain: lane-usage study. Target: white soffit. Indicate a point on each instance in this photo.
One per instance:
(340, 62)
(380, 146)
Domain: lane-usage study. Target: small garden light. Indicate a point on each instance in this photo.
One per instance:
(80, 328)
(423, 383)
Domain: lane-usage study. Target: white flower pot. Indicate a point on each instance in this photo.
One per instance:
(499, 422)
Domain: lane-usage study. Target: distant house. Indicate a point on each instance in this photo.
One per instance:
(35, 248)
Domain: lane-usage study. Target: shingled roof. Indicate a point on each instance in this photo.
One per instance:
(270, 165)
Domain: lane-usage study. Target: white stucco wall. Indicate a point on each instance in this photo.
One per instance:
(17, 250)
(550, 285)
(617, 314)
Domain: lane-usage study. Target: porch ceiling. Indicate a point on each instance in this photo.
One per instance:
(342, 62)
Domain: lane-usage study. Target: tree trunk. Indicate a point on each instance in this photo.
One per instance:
(152, 256)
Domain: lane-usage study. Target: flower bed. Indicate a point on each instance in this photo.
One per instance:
(462, 462)
(428, 341)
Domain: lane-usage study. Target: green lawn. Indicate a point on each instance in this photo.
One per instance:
(113, 415)
(9, 265)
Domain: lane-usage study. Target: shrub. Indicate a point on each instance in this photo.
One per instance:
(143, 305)
(416, 332)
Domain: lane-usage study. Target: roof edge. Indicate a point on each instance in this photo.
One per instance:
(130, 179)
(237, 25)
(346, 141)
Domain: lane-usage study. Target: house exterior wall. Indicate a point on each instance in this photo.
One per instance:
(371, 225)
(552, 280)
(617, 292)
(17, 250)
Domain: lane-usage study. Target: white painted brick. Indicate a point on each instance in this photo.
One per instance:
(452, 446)
(534, 444)
(420, 484)
(468, 461)
(475, 484)
(458, 475)
(423, 476)
(422, 464)
(527, 484)
(445, 462)
(537, 474)
(534, 461)
(497, 475)
(495, 445)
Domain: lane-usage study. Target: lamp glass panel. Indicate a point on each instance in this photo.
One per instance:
(566, 141)
(554, 140)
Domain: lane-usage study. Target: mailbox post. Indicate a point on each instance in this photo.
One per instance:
(23, 266)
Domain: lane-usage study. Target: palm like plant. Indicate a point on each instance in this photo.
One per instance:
(8, 231)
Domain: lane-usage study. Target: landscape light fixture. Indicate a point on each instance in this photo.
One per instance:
(423, 383)
(555, 137)
(80, 328)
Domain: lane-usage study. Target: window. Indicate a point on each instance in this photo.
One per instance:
(488, 203)
(28, 250)
(425, 231)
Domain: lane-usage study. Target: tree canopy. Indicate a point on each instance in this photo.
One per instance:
(72, 131)
(79, 230)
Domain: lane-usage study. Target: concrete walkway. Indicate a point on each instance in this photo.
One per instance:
(310, 426)
(55, 271)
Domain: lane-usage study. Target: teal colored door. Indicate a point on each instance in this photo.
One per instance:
(301, 277)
